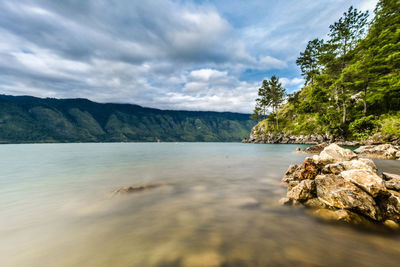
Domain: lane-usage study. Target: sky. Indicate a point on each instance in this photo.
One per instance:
(180, 55)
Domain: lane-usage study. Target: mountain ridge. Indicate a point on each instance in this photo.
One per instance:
(29, 119)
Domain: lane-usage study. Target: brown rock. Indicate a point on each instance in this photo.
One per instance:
(360, 164)
(391, 224)
(337, 192)
(341, 215)
(365, 179)
(334, 168)
(384, 151)
(292, 184)
(315, 203)
(392, 181)
(316, 149)
(303, 191)
(135, 189)
(290, 174)
(390, 206)
(308, 170)
(334, 153)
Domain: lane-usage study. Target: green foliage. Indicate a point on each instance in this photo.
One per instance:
(271, 94)
(363, 127)
(390, 124)
(308, 60)
(352, 79)
(29, 119)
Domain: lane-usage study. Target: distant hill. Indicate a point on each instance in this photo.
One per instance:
(26, 119)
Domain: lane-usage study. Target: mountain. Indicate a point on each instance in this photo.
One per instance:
(30, 119)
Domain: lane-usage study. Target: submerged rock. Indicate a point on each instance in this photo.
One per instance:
(136, 189)
(341, 216)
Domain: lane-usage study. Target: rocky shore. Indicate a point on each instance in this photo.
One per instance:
(340, 185)
(258, 136)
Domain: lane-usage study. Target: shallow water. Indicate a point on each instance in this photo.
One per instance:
(219, 207)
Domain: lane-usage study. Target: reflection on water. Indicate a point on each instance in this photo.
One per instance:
(219, 207)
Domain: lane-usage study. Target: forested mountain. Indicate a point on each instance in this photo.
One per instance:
(352, 88)
(30, 119)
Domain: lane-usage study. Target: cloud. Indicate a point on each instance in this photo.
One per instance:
(268, 62)
(161, 53)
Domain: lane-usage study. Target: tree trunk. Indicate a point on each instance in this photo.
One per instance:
(344, 112)
(344, 106)
(365, 101)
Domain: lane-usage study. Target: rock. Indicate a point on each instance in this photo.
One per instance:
(244, 202)
(308, 170)
(334, 153)
(392, 181)
(136, 189)
(369, 163)
(290, 174)
(303, 191)
(341, 216)
(384, 151)
(390, 206)
(367, 180)
(292, 184)
(334, 168)
(360, 164)
(391, 224)
(285, 201)
(315, 203)
(316, 149)
(337, 192)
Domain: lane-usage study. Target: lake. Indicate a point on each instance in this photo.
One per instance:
(218, 206)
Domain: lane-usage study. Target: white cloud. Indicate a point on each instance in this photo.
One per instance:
(268, 62)
(289, 82)
(207, 74)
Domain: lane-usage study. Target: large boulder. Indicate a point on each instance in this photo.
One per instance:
(359, 164)
(365, 179)
(337, 192)
(392, 181)
(291, 174)
(390, 206)
(334, 153)
(308, 170)
(303, 191)
(316, 149)
(384, 151)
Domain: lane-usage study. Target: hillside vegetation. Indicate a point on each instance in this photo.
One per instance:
(352, 88)
(30, 119)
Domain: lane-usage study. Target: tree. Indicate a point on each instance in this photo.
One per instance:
(276, 93)
(345, 34)
(257, 113)
(263, 101)
(309, 60)
(348, 30)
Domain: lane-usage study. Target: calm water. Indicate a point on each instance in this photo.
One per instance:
(219, 208)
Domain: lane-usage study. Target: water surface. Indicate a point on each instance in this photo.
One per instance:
(219, 207)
